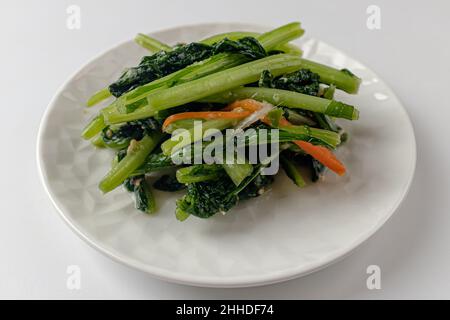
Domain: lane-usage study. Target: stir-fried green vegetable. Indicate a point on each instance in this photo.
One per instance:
(171, 111)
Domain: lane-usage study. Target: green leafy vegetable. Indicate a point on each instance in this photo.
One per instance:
(120, 136)
(256, 187)
(144, 199)
(199, 173)
(163, 63)
(302, 81)
(247, 46)
(168, 183)
(158, 65)
(206, 76)
(204, 199)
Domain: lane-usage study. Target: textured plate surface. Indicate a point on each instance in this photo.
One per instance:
(284, 234)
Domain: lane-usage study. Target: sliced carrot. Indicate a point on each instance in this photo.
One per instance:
(206, 115)
(253, 105)
(246, 104)
(320, 153)
(323, 155)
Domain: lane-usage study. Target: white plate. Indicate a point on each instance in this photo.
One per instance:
(286, 233)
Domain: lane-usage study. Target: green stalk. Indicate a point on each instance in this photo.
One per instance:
(188, 137)
(289, 99)
(98, 123)
(136, 155)
(238, 171)
(283, 34)
(93, 128)
(98, 96)
(290, 49)
(292, 133)
(197, 70)
(181, 124)
(329, 92)
(98, 142)
(233, 35)
(117, 112)
(292, 171)
(342, 79)
(150, 43)
(330, 138)
(154, 162)
(181, 215)
(221, 81)
(198, 173)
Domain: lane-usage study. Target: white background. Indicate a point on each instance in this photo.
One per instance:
(37, 53)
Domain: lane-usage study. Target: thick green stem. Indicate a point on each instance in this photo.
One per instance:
(220, 81)
(154, 162)
(214, 64)
(136, 155)
(330, 138)
(292, 171)
(292, 133)
(283, 34)
(238, 171)
(288, 99)
(150, 43)
(93, 128)
(329, 92)
(98, 142)
(98, 97)
(187, 137)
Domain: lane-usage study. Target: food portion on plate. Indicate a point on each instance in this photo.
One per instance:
(170, 119)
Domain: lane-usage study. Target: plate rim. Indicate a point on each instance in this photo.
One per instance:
(215, 282)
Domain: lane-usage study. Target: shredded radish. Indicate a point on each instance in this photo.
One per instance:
(255, 116)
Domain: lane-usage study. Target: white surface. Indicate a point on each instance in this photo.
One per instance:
(38, 53)
(283, 234)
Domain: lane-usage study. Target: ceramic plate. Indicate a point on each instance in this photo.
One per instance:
(286, 233)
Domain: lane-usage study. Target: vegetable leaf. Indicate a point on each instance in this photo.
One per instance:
(168, 183)
(163, 63)
(302, 81)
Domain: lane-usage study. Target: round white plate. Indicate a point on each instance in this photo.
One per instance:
(286, 233)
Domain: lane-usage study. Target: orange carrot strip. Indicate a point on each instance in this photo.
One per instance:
(323, 155)
(206, 115)
(320, 153)
(253, 105)
(246, 104)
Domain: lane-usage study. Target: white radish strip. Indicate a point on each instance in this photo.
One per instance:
(255, 116)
